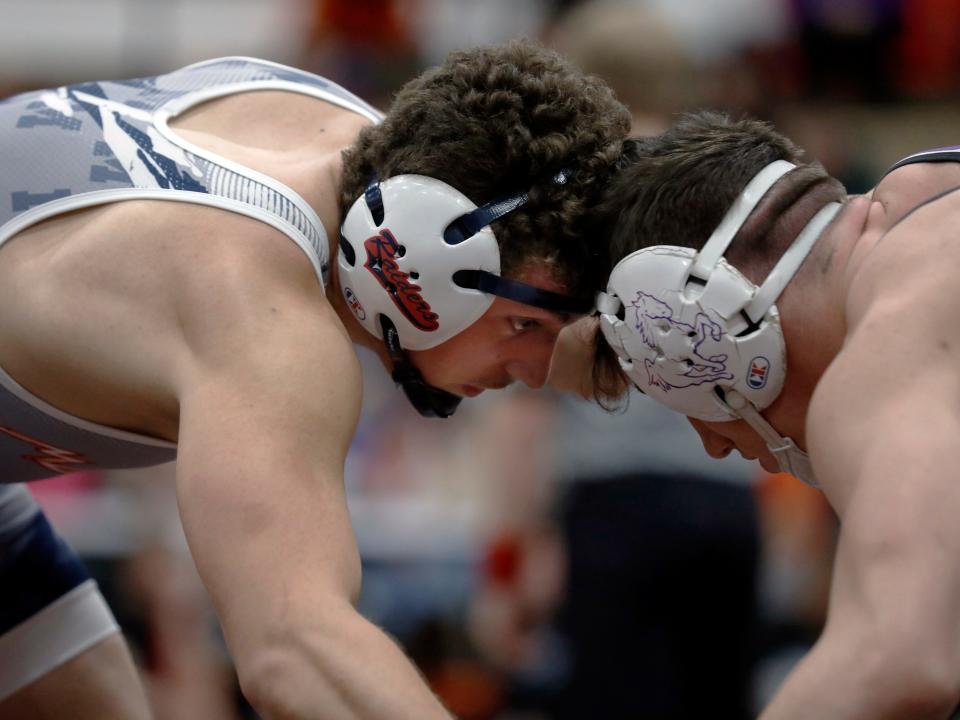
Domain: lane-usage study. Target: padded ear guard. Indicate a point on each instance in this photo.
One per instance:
(417, 251)
(678, 338)
(395, 260)
(689, 329)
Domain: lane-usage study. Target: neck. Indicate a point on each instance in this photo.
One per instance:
(897, 194)
(357, 333)
(330, 173)
(813, 306)
(866, 221)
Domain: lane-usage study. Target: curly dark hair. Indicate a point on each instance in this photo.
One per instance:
(675, 188)
(492, 121)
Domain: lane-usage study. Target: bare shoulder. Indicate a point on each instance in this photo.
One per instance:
(913, 185)
(906, 284)
(242, 287)
(912, 266)
(265, 358)
(116, 315)
(893, 384)
(273, 120)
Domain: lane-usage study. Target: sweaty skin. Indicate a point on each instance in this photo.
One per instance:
(200, 326)
(874, 395)
(819, 295)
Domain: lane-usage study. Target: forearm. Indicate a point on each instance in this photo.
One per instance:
(842, 680)
(343, 668)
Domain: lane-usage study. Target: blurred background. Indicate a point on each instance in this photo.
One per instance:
(537, 557)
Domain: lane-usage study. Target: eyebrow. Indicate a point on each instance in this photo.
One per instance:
(542, 314)
(558, 304)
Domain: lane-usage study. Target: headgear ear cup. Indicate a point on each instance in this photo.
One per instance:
(420, 253)
(418, 264)
(695, 334)
(676, 346)
(687, 332)
(402, 266)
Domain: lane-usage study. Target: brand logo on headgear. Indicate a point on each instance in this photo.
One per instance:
(382, 250)
(759, 370)
(354, 303)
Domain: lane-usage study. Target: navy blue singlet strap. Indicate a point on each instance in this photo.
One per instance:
(947, 154)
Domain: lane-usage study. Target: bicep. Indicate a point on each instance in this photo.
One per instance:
(881, 434)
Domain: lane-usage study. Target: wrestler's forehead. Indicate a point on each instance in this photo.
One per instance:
(544, 276)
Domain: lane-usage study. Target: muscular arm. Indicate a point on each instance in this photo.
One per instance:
(883, 430)
(269, 395)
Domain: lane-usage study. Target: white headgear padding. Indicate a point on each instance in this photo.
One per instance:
(688, 327)
(397, 241)
(421, 254)
(678, 338)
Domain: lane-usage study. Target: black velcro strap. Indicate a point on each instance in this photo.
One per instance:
(522, 292)
(468, 225)
(346, 250)
(374, 200)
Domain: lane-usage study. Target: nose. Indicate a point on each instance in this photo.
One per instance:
(530, 363)
(716, 445)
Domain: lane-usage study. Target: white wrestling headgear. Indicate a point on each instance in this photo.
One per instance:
(693, 333)
(419, 263)
(419, 252)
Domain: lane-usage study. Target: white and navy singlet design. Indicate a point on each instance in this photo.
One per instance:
(92, 143)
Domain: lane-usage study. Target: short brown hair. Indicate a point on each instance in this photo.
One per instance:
(493, 121)
(675, 188)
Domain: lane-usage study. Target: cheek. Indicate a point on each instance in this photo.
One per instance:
(456, 361)
(738, 432)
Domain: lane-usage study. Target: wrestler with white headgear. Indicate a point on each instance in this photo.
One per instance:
(816, 332)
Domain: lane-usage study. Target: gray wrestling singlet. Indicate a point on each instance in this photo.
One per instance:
(83, 145)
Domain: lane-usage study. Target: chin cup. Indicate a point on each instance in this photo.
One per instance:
(429, 401)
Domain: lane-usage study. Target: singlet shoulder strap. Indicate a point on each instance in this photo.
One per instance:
(942, 154)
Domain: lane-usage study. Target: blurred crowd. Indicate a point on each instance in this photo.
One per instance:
(537, 556)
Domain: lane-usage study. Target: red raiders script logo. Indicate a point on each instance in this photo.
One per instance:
(51, 458)
(759, 370)
(381, 253)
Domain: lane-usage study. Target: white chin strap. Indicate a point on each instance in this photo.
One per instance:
(791, 459)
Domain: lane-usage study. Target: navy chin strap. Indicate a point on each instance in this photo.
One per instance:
(429, 401)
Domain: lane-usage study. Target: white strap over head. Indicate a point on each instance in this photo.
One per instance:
(790, 262)
(737, 215)
(716, 353)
